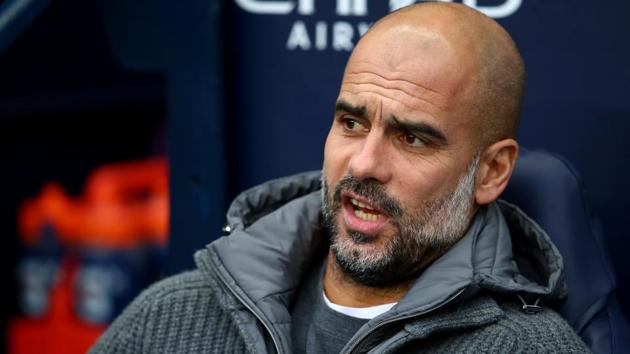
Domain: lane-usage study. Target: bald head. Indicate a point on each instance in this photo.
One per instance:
(467, 58)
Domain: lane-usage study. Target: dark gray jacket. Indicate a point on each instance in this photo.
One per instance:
(479, 297)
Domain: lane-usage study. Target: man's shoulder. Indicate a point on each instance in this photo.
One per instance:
(167, 315)
(189, 291)
(544, 331)
(498, 324)
(184, 285)
(491, 323)
(177, 285)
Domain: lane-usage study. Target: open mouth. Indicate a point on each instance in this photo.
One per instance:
(364, 211)
(360, 214)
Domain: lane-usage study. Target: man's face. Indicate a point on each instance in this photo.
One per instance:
(399, 160)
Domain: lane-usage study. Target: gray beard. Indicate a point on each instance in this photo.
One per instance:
(421, 237)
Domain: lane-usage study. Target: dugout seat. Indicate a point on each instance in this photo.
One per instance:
(549, 190)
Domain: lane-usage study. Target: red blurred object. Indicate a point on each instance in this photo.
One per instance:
(124, 208)
(50, 208)
(60, 331)
(123, 205)
(128, 181)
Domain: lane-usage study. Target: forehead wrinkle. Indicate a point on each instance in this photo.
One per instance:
(407, 87)
(395, 79)
(384, 92)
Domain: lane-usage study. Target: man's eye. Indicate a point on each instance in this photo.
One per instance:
(412, 140)
(352, 125)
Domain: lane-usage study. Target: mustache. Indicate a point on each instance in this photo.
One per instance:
(370, 190)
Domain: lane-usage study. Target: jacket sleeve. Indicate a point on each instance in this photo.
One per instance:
(164, 317)
(126, 333)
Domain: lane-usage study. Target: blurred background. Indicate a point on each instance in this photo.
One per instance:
(127, 127)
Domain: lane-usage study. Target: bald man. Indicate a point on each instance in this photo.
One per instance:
(404, 248)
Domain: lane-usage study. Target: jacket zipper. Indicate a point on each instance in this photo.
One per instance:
(251, 308)
(382, 324)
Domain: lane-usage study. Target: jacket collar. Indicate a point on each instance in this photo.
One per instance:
(262, 263)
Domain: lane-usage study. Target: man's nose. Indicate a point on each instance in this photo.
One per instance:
(371, 160)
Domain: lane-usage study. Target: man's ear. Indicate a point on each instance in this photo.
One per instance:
(495, 168)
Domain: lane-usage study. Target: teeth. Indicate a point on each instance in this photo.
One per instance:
(365, 216)
(360, 205)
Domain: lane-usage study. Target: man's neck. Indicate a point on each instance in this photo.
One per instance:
(342, 290)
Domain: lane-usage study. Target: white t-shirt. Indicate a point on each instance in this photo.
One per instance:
(366, 313)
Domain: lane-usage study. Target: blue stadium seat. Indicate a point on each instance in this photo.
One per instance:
(550, 191)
